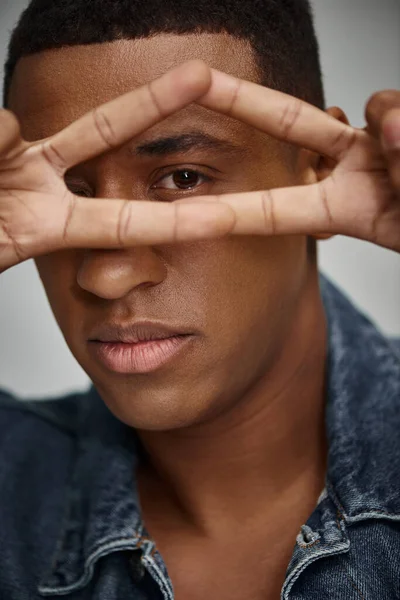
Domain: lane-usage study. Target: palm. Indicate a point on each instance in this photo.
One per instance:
(34, 205)
(359, 194)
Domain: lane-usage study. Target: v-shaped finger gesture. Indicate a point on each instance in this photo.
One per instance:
(360, 197)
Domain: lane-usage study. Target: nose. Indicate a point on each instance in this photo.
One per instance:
(111, 274)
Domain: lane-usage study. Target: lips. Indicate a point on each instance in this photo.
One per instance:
(133, 333)
(140, 347)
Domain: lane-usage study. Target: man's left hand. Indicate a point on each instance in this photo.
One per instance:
(361, 195)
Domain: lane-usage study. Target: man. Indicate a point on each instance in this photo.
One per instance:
(241, 437)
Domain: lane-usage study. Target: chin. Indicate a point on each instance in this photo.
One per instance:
(155, 410)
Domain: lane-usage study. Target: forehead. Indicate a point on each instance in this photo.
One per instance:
(53, 88)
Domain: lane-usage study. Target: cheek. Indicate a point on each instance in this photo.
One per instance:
(248, 290)
(238, 279)
(226, 287)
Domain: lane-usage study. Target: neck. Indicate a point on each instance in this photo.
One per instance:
(269, 449)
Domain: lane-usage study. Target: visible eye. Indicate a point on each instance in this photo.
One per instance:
(184, 179)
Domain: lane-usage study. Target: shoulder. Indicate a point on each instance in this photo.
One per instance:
(59, 416)
(38, 441)
(395, 342)
(363, 411)
(37, 437)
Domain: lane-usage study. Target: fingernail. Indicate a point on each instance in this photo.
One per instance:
(391, 133)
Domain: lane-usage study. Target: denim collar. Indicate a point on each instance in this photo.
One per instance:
(362, 414)
(103, 512)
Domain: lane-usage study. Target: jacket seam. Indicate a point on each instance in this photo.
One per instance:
(353, 583)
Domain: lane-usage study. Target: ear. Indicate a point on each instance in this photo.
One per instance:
(317, 167)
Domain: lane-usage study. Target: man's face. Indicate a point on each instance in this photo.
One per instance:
(239, 295)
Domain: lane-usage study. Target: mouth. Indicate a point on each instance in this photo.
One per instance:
(138, 348)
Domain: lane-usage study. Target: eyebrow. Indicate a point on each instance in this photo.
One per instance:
(164, 146)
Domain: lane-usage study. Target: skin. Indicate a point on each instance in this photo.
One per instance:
(235, 405)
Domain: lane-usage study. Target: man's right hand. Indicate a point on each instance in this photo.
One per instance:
(39, 215)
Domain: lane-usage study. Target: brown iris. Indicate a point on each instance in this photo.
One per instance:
(185, 179)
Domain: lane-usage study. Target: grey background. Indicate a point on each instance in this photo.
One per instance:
(360, 46)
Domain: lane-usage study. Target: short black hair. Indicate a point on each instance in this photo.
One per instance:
(281, 33)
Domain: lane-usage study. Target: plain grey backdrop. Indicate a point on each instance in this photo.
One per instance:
(360, 48)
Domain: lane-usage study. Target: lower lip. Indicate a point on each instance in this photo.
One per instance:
(143, 357)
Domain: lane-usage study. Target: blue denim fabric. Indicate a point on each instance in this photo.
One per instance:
(70, 519)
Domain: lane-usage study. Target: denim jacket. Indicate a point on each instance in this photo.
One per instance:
(70, 518)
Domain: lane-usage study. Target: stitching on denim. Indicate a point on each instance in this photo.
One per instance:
(299, 569)
(382, 512)
(395, 516)
(374, 514)
(159, 577)
(335, 499)
(340, 523)
(115, 546)
(353, 583)
(103, 550)
(133, 536)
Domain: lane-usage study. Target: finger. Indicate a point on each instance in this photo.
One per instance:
(10, 134)
(390, 130)
(281, 211)
(105, 223)
(282, 116)
(390, 136)
(378, 105)
(394, 169)
(120, 120)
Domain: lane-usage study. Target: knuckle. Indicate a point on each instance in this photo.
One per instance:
(155, 102)
(324, 203)
(290, 116)
(269, 212)
(235, 96)
(70, 213)
(54, 157)
(104, 128)
(345, 140)
(124, 221)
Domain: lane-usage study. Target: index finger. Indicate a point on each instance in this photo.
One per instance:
(284, 117)
(118, 121)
